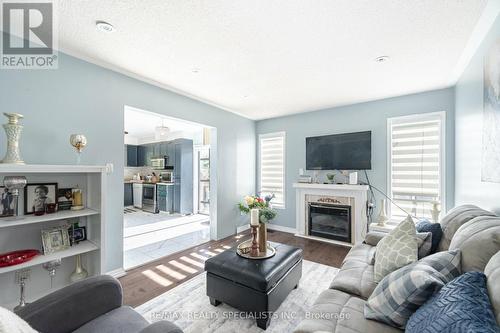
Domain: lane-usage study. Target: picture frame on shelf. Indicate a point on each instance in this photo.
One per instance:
(55, 239)
(77, 234)
(65, 198)
(37, 196)
(6, 202)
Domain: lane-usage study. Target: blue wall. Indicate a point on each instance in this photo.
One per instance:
(469, 129)
(80, 97)
(353, 118)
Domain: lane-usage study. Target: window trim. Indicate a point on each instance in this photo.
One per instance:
(442, 154)
(274, 135)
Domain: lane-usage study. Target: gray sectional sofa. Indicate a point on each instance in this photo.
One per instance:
(340, 309)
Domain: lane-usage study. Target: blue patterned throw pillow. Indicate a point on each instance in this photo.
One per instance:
(402, 292)
(424, 225)
(463, 305)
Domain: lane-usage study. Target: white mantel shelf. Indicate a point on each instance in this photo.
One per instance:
(346, 187)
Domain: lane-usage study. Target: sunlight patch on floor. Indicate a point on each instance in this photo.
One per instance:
(157, 278)
(170, 272)
(183, 267)
(192, 262)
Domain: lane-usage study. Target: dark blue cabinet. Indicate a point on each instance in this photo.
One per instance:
(138, 156)
(165, 197)
(149, 154)
(131, 155)
(163, 149)
(141, 155)
(128, 195)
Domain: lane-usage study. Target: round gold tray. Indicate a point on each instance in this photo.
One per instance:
(243, 250)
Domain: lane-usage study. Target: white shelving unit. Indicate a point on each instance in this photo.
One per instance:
(25, 232)
(82, 247)
(31, 219)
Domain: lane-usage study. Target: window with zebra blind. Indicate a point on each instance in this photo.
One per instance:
(416, 154)
(272, 167)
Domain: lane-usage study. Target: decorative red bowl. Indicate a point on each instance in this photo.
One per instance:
(17, 257)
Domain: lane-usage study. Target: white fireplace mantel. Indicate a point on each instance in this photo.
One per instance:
(357, 193)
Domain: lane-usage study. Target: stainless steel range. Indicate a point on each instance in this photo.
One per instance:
(149, 199)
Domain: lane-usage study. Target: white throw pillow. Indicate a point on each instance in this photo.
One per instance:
(12, 323)
(399, 248)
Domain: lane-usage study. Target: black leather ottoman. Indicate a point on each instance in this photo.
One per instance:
(254, 286)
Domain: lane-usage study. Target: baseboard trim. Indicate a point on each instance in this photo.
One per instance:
(281, 228)
(242, 228)
(117, 273)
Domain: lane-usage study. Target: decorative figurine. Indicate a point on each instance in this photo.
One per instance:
(13, 131)
(79, 141)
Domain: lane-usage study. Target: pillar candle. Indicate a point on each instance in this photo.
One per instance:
(77, 198)
(254, 217)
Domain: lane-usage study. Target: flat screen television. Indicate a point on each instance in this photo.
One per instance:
(348, 151)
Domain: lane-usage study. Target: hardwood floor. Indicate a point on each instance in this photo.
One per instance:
(153, 279)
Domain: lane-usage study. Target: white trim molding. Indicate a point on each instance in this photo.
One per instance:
(242, 228)
(117, 273)
(281, 228)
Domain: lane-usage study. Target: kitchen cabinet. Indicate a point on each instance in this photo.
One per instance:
(163, 149)
(128, 195)
(171, 153)
(131, 155)
(155, 149)
(141, 155)
(165, 197)
(149, 154)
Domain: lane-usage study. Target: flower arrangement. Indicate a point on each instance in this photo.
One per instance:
(266, 212)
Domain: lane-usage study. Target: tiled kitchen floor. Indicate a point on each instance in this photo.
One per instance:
(148, 237)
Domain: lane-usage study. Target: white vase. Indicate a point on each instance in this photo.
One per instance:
(382, 216)
(435, 211)
(13, 131)
(80, 273)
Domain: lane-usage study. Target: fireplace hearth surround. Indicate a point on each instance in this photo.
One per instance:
(331, 213)
(330, 221)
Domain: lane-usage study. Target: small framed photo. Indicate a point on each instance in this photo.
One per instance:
(55, 239)
(7, 204)
(37, 196)
(77, 234)
(64, 198)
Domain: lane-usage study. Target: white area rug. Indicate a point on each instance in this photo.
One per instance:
(188, 306)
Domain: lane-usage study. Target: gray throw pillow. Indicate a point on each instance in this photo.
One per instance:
(402, 292)
(397, 249)
(424, 243)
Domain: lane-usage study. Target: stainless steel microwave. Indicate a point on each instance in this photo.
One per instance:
(159, 163)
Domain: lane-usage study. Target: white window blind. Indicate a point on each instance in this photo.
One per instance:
(272, 167)
(416, 146)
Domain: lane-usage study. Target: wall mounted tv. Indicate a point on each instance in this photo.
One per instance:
(348, 151)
